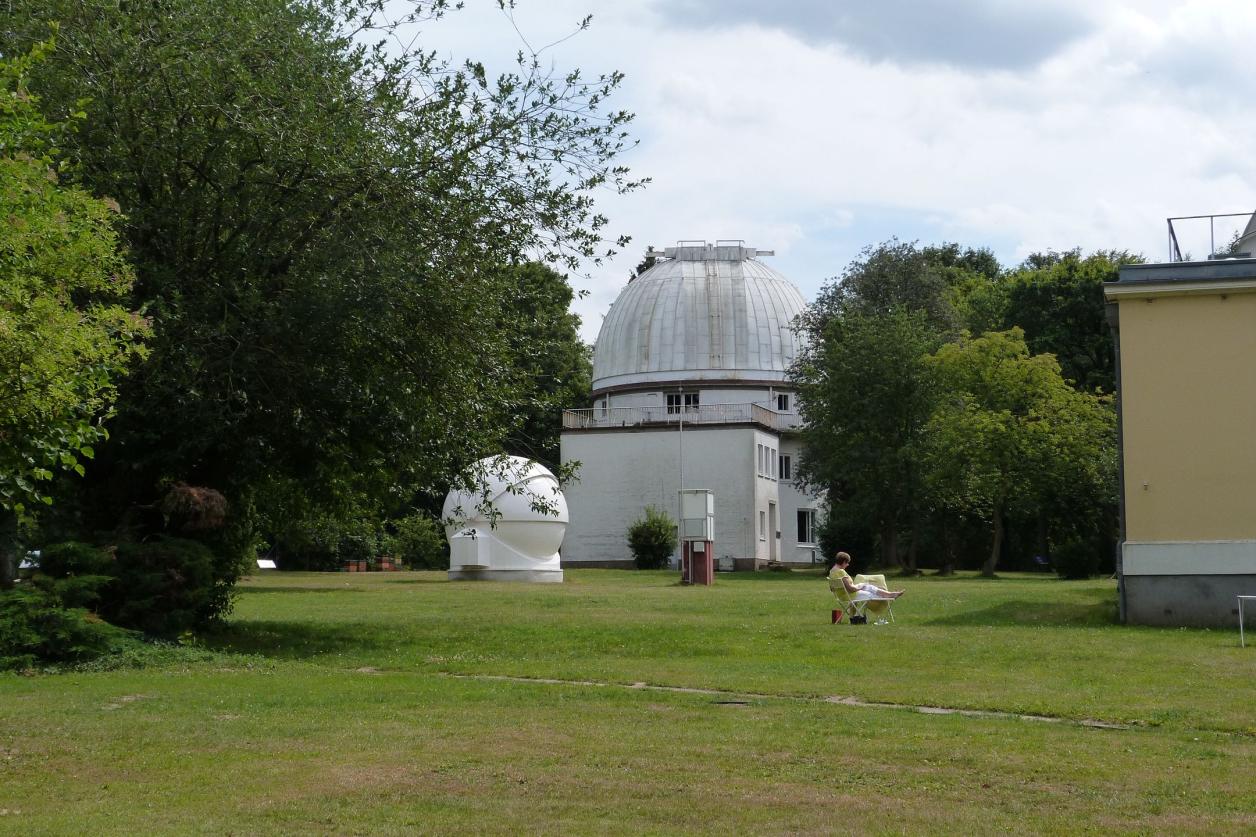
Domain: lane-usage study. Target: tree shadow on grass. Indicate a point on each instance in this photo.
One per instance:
(1098, 610)
(807, 576)
(297, 589)
(301, 640)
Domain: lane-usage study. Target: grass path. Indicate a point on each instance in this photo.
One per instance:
(845, 700)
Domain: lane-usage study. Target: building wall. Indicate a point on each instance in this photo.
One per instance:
(793, 551)
(1188, 410)
(624, 470)
(1188, 600)
(767, 533)
(1188, 380)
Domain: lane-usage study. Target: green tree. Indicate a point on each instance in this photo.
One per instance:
(64, 339)
(898, 276)
(865, 394)
(1057, 299)
(553, 368)
(317, 225)
(975, 286)
(647, 262)
(1010, 436)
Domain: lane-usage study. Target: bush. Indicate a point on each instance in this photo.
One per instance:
(419, 543)
(357, 544)
(62, 560)
(652, 539)
(325, 543)
(35, 628)
(74, 574)
(163, 587)
(1077, 558)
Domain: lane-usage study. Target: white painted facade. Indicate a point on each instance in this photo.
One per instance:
(690, 391)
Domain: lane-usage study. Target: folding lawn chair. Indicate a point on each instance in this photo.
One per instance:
(861, 604)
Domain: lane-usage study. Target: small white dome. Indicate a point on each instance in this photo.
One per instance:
(511, 527)
(703, 313)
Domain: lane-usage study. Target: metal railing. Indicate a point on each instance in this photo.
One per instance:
(599, 417)
(1232, 232)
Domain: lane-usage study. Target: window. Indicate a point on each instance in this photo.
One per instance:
(763, 525)
(676, 400)
(766, 464)
(807, 526)
(782, 403)
(787, 466)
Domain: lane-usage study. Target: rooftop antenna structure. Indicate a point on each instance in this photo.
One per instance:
(1243, 246)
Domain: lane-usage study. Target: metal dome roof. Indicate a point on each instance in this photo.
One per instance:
(710, 313)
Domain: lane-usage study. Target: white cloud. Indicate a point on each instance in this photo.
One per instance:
(750, 130)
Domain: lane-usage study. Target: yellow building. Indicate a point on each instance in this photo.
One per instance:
(1186, 357)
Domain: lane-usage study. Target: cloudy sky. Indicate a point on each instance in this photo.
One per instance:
(817, 127)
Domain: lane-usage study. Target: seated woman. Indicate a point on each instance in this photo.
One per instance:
(857, 592)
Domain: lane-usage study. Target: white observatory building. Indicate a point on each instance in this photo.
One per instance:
(690, 391)
(509, 527)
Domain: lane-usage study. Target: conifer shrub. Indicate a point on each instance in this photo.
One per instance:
(652, 539)
(74, 574)
(36, 629)
(163, 587)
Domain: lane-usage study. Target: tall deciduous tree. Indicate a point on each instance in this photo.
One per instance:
(64, 339)
(552, 367)
(865, 394)
(318, 224)
(895, 276)
(1057, 299)
(1011, 436)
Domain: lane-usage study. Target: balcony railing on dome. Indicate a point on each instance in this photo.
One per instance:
(600, 417)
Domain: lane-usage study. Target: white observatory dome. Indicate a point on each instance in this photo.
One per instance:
(702, 313)
(511, 527)
(1247, 241)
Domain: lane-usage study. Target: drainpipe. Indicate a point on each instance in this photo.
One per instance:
(680, 477)
(1113, 313)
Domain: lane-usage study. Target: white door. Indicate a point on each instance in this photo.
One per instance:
(774, 535)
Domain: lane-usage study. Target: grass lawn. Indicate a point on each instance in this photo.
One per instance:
(619, 702)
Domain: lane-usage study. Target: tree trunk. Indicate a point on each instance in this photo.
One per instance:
(913, 551)
(9, 549)
(889, 544)
(948, 551)
(996, 546)
(1044, 538)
